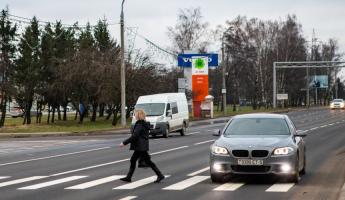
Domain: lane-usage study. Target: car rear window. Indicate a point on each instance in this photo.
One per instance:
(257, 126)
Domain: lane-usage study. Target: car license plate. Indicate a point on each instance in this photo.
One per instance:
(250, 162)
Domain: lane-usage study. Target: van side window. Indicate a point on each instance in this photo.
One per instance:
(168, 107)
(174, 108)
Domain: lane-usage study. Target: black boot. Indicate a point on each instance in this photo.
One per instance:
(160, 176)
(128, 178)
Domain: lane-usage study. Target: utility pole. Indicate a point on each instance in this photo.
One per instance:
(223, 79)
(123, 70)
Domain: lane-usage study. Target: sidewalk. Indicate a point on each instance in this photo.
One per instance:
(126, 130)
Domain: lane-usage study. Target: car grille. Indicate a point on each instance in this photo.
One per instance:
(259, 153)
(240, 153)
(250, 169)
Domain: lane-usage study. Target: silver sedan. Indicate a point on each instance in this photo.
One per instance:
(258, 144)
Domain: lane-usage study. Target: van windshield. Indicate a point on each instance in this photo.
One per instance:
(152, 109)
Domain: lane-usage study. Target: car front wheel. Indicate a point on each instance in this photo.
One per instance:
(217, 178)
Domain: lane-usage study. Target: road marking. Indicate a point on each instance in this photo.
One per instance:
(23, 180)
(129, 198)
(192, 133)
(114, 162)
(50, 183)
(199, 171)
(168, 150)
(229, 187)
(90, 167)
(331, 124)
(207, 141)
(186, 183)
(4, 177)
(138, 183)
(280, 187)
(95, 182)
(314, 128)
(324, 126)
(47, 157)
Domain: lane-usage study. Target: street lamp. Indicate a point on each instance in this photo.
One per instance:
(223, 73)
(123, 75)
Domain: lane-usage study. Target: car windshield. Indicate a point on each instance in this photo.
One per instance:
(338, 100)
(257, 126)
(152, 109)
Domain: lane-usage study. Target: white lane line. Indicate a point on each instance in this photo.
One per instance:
(90, 167)
(4, 177)
(229, 187)
(199, 171)
(168, 150)
(47, 157)
(23, 180)
(331, 124)
(207, 141)
(129, 198)
(280, 187)
(186, 183)
(138, 183)
(314, 128)
(324, 126)
(50, 183)
(95, 182)
(114, 162)
(192, 133)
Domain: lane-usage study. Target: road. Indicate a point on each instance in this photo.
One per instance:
(89, 167)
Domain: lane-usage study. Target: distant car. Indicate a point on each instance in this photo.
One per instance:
(16, 112)
(337, 103)
(259, 144)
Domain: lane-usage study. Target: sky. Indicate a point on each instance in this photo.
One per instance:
(152, 17)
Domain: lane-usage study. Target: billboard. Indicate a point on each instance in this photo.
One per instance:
(318, 81)
(185, 60)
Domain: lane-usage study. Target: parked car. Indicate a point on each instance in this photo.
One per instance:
(19, 112)
(337, 103)
(259, 144)
(166, 113)
(16, 112)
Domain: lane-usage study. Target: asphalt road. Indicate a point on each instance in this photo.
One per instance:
(89, 167)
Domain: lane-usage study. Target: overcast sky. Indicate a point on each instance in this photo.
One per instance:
(152, 17)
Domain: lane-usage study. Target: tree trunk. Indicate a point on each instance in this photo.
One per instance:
(94, 112)
(3, 111)
(48, 118)
(101, 110)
(115, 118)
(64, 113)
(53, 115)
(59, 112)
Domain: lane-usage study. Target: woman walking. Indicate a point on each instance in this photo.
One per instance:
(140, 144)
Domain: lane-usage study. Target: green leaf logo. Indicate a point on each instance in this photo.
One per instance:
(199, 63)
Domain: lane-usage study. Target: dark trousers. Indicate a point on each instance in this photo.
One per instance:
(146, 158)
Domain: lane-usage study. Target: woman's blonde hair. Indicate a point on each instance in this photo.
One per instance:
(140, 114)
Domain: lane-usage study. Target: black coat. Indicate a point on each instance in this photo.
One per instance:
(140, 136)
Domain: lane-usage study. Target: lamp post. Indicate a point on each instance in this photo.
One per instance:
(123, 74)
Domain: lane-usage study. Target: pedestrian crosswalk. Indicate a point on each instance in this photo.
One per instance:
(178, 184)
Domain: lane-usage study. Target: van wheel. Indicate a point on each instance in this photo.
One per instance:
(183, 130)
(166, 133)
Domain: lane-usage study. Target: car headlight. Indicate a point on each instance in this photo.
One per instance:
(219, 150)
(283, 151)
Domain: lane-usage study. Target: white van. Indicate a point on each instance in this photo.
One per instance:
(167, 112)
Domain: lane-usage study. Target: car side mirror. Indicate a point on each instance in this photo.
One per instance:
(216, 133)
(300, 133)
(169, 113)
